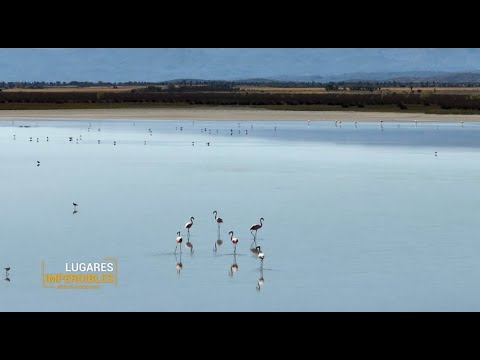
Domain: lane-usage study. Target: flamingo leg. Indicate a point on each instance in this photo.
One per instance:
(176, 249)
(234, 249)
(215, 246)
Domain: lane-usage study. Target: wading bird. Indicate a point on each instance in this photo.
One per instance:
(234, 241)
(255, 228)
(189, 224)
(260, 254)
(218, 219)
(178, 240)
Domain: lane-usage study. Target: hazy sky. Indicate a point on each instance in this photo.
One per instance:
(156, 64)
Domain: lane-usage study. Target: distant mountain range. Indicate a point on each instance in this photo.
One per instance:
(401, 77)
(297, 64)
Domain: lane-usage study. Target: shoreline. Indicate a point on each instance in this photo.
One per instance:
(228, 114)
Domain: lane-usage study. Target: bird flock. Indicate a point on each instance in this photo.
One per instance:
(254, 247)
(234, 240)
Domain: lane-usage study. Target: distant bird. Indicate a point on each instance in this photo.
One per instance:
(260, 254)
(7, 269)
(435, 153)
(219, 220)
(38, 163)
(178, 240)
(189, 224)
(75, 204)
(234, 242)
(256, 227)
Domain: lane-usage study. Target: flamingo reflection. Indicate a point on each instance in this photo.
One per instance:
(178, 265)
(260, 280)
(188, 244)
(234, 266)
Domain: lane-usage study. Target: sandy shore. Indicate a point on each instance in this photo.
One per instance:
(227, 114)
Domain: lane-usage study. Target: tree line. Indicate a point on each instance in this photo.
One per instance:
(402, 100)
(218, 85)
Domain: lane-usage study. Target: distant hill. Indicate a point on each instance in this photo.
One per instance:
(401, 77)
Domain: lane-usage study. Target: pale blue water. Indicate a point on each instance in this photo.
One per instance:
(355, 219)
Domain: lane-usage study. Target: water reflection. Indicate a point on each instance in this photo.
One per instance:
(234, 266)
(188, 244)
(178, 264)
(7, 274)
(260, 280)
(217, 243)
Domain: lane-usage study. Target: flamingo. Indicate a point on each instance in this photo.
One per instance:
(234, 242)
(256, 227)
(219, 221)
(260, 254)
(189, 224)
(178, 240)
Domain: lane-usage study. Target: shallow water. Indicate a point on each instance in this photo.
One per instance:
(356, 219)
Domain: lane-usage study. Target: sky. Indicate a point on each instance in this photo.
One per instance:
(160, 64)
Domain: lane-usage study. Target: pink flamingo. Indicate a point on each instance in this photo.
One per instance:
(234, 242)
(256, 227)
(189, 224)
(178, 240)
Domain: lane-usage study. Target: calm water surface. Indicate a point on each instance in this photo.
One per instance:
(356, 218)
